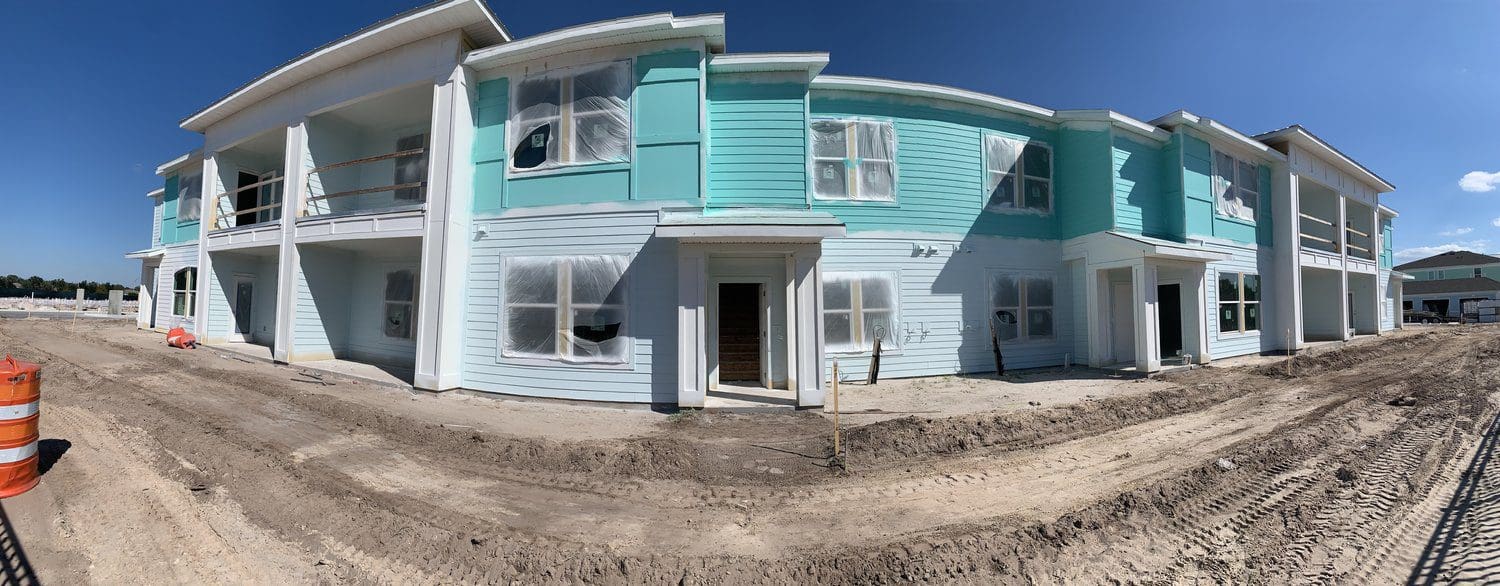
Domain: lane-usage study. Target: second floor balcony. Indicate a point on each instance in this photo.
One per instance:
(248, 183)
(369, 156)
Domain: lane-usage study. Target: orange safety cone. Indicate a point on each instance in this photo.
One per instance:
(20, 403)
(180, 338)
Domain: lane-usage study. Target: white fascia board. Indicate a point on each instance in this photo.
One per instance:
(1385, 211)
(1117, 120)
(1298, 135)
(927, 90)
(619, 31)
(178, 162)
(1216, 129)
(399, 30)
(811, 63)
(155, 193)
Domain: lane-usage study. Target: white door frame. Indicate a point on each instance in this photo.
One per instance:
(713, 326)
(235, 335)
(1114, 350)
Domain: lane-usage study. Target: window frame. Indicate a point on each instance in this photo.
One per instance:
(852, 161)
(856, 312)
(1240, 302)
(189, 294)
(1235, 183)
(411, 310)
(185, 187)
(562, 355)
(1023, 308)
(566, 150)
(1018, 196)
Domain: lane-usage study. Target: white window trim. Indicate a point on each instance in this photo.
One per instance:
(1235, 183)
(1021, 177)
(1023, 327)
(564, 313)
(565, 111)
(1241, 303)
(851, 153)
(411, 314)
(190, 293)
(857, 317)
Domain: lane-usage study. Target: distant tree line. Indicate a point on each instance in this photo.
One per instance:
(15, 286)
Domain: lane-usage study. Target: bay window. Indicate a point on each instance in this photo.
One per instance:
(571, 116)
(1021, 306)
(569, 308)
(853, 159)
(1239, 303)
(1018, 174)
(859, 308)
(1236, 186)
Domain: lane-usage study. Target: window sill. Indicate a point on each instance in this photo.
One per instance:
(1018, 212)
(573, 169)
(1234, 220)
(861, 202)
(562, 364)
(1238, 335)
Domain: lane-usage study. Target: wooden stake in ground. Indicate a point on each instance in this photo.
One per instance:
(1289, 352)
(995, 343)
(874, 376)
(838, 454)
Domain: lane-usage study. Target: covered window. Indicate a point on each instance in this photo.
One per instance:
(1236, 186)
(1021, 306)
(1018, 174)
(400, 297)
(184, 291)
(571, 116)
(1239, 303)
(568, 308)
(189, 197)
(1477, 273)
(859, 308)
(411, 169)
(853, 159)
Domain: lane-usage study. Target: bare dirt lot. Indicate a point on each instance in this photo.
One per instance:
(1365, 464)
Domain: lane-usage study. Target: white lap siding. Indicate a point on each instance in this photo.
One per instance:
(943, 324)
(1388, 305)
(1246, 260)
(173, 260)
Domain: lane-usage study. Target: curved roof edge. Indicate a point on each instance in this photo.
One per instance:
(631, 29)
(472, 16)
(928, 90)
(1306, 139)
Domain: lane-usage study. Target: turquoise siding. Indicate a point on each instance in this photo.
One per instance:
(1141, 205)
(1387, 232)
(1171, 186)
(1201, 219)
(757, 142)
(169, 212)
(940, 171)
(492, 107)
(1083, 198)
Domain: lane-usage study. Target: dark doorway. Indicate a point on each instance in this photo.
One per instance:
(1169, 319)
(739, 332)
(247, 199)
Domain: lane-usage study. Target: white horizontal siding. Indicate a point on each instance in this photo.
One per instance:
(1248, 260)
(1388, 304)
(174, 259)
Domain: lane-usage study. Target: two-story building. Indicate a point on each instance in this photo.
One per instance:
(623, 211)
(1443, 283)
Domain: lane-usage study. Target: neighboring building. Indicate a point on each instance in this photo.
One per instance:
(1444, 282)
(621, 211)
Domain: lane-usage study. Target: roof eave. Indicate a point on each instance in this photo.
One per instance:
(1306, 139)
(179, 162)
(1117, 120)
(1219, 130)
(619, 31)
(811, 64)
(927, 90)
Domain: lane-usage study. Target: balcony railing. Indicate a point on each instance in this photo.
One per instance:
(226, 214)
(1324, 242)
(1364, 252)
(404, 191)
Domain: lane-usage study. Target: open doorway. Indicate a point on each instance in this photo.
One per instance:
(1121, 319)
(740, 334)
(1169, 319)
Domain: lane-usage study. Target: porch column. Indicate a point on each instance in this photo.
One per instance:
(1343, 238)
(209, 189)
(444, 250)
(692, 299)
(288, 267)
(1195, 292)
(808, 275)
(1147, 351)
(1287, 286)
(1096, 294)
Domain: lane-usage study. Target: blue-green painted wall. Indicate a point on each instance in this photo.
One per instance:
(1198, 200)
(1083, 198)
(757, 142)
(1142, 206)
(665, 159)
(1387, 232)
(169, 211)
(940, 170)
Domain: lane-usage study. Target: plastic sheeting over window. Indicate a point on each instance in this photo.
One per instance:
(1236, 186)
(853, 159)
(859, 308)
(572, 116)
(1018, 174)
(569, 308)
(189, 197)
(400, 294)
(1021, 306)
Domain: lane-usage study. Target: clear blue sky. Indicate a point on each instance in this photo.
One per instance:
(94, 91)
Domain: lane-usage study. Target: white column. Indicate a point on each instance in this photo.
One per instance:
(792, 347)
(444, 245)
(146, 298)
(209, 189)
(1096, 294)
(809, 318)
(692, 297)
(1147, 351)
(1287, 246)
(288, 268)
(1195, 292)
(1342, 236)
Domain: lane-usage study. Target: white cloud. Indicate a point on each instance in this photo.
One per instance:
(1464, 230)
(1479, 181)
(1409, 254)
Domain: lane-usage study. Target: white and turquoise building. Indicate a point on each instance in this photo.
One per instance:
(626, 211)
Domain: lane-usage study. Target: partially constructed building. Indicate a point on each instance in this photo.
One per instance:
(1444, 282)
(625, 211)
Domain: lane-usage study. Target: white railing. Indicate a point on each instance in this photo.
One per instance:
(306, 211)
(224, 218)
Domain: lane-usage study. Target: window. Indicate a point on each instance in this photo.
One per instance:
(411, 168)
(858, 308)
(568, 308)
(572, 116)
(1014, 295)
(184, 291)
(1236, 184)
(1018, 174)
(400, 297)
(189, 197)
(1239, 303)
(853, 159)
(1476, 273)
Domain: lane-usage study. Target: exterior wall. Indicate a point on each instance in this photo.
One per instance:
(1141, 203)
(1387, 235)
(156, 217)
(1248, 260)
(757, 145)
(651, 376)
(367, 341)
(1389, 308)
(1464, 272)
(1200, 216)
(321, 301)
(1084, 198)
(174, 259)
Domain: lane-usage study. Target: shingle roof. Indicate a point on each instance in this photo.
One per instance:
(1450, 286)
(1455, 258)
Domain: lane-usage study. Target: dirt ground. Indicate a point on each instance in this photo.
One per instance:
(1357, 465)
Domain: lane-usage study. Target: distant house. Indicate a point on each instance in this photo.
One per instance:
(1445, 281)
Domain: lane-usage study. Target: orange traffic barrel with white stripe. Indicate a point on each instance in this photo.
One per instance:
(20, 402)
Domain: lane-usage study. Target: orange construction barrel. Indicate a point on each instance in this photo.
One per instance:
(20, 399)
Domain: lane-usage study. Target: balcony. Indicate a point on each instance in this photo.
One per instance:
(245, 210)
(369, 157)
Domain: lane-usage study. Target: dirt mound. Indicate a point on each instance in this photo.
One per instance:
(1323, 361)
